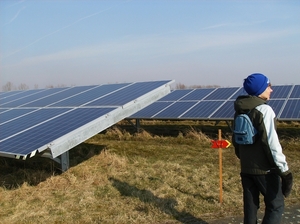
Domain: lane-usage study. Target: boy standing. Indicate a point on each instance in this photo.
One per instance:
(263, 165)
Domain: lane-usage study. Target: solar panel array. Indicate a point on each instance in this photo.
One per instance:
(60, 118)
(217, 104)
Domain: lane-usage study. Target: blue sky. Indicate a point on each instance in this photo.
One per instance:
(64, 42)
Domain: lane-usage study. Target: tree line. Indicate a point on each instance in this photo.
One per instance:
(9, 86)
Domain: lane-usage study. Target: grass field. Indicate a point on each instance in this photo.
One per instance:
(167, 173)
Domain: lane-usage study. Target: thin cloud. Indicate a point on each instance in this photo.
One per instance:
(222, 25)
(155, 46)
(15, 16)
(17, 3)
(56, 31)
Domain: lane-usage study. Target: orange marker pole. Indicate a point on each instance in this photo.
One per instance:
(220, 167)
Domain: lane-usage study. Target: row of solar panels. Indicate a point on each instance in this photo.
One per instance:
(58, 119)
(217, 104)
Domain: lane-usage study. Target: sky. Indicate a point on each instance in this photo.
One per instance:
(193, 42)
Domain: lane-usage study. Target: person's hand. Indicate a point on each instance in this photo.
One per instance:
(287, 184)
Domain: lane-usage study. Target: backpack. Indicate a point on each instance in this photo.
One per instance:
(244, 131)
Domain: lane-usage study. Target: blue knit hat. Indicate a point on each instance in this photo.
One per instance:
(255, 84)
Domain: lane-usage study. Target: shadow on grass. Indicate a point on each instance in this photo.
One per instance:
(166, 205)
(32, 171)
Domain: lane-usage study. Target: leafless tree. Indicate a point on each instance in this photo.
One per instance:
(23, 86)
(8, 87)
(60, 86)
(180, 86)
(204, 86)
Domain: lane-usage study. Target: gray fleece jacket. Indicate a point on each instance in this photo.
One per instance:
(265, 155)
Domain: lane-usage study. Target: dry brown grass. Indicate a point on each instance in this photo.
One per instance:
(119, 177)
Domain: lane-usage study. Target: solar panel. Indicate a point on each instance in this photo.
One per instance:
(175, 110)
(50, 99)
(52, 121)
(21, 99)
(152, 109)
(296, 92)
(281, 92)
(225, 112)
(175, 95)
(202, 110)
(6, 115)
(217, 104)
(197, 94)
(221, 94)
(276, 105)
(291, 110)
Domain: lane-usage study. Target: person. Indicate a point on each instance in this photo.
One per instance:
(264, 169)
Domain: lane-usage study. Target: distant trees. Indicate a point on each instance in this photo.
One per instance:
(182, 86)
(58, 86)
(9, 86)
(23, 86)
